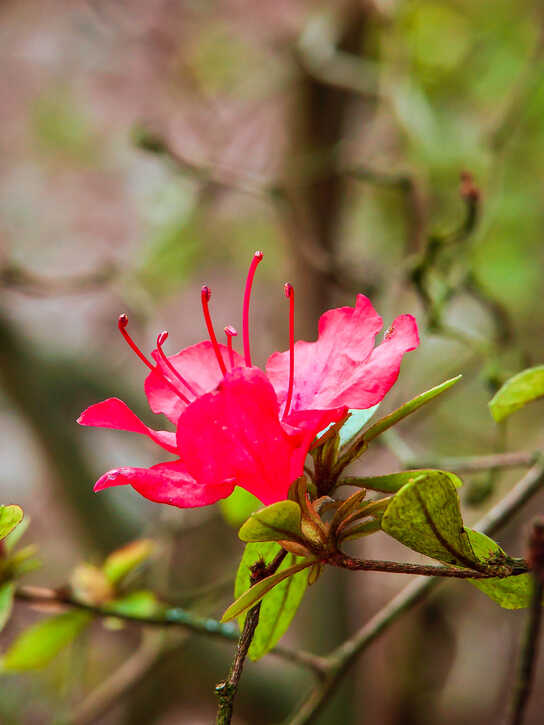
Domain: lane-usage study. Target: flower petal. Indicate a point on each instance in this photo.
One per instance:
(113, 413)
(198, 365)
(165, 483)
(342, 368)
(234, 434)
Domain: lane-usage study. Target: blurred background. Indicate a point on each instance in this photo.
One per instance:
(390, 147)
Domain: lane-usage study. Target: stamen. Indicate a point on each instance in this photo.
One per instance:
(205, 295)
(290, 294)
(257, 257)
(161, 339)
(122, 325)
(230, 332)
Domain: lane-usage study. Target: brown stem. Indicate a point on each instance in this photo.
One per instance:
(394, 567)
(226, 691)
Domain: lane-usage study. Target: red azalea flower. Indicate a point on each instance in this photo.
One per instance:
(238, 426)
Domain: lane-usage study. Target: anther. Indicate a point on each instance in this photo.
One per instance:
(257, 257)
(122, 325)
(161, 339)
(290, 294)
(230, 332)
(205, 295)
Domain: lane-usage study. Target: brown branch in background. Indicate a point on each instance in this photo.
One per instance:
(122, 681)
(530, 643)
(15, 277)
(226, 691)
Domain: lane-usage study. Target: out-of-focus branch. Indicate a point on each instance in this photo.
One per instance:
(415, 207)
(16, 277)
(530, 643)
(341, 659)
(169, 617)
(473, 464)
(122, 681)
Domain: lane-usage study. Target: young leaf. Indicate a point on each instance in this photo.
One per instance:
(10, 516)
(393, 482)
(141, 603)
(279, 521)
(357, 419)
(279, 606)
(38, 645)
(257, 591)
(513, 592)
(523, 388)
(410, 407)
(425, 516)
(7, 590)
(122, 561)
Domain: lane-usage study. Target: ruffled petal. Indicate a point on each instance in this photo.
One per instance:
(198, 365)
(165, 483)
(234, 435)
(342, 368)
(113, 413)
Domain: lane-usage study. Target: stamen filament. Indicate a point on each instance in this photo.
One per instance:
(257, 257)
(205, 298)
(290, 294)
(230, 332)
(161, 339)
(122, 324)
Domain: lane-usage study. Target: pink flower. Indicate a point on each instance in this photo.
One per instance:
(236, 425)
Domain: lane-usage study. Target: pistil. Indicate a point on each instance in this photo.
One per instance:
(257, 257)
(290, 294)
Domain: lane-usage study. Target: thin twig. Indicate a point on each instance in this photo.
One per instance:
(529, 653)
(340, 660)
(394, 567)
(530, 641)
(169, 617)
(226, 691)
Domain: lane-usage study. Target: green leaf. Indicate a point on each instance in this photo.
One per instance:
(40, 643)
(238, 507)
(142, 603)
(393, 482)
(279, 606)
(425, 516)
(258, 591)
(277, 522)
(513, 592)
(410, 407)
(122, 561)
(13, 538)
(10, 516)
(523, 388)
(7, 591)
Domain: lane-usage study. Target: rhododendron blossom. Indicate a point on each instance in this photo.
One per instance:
(239, 426)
